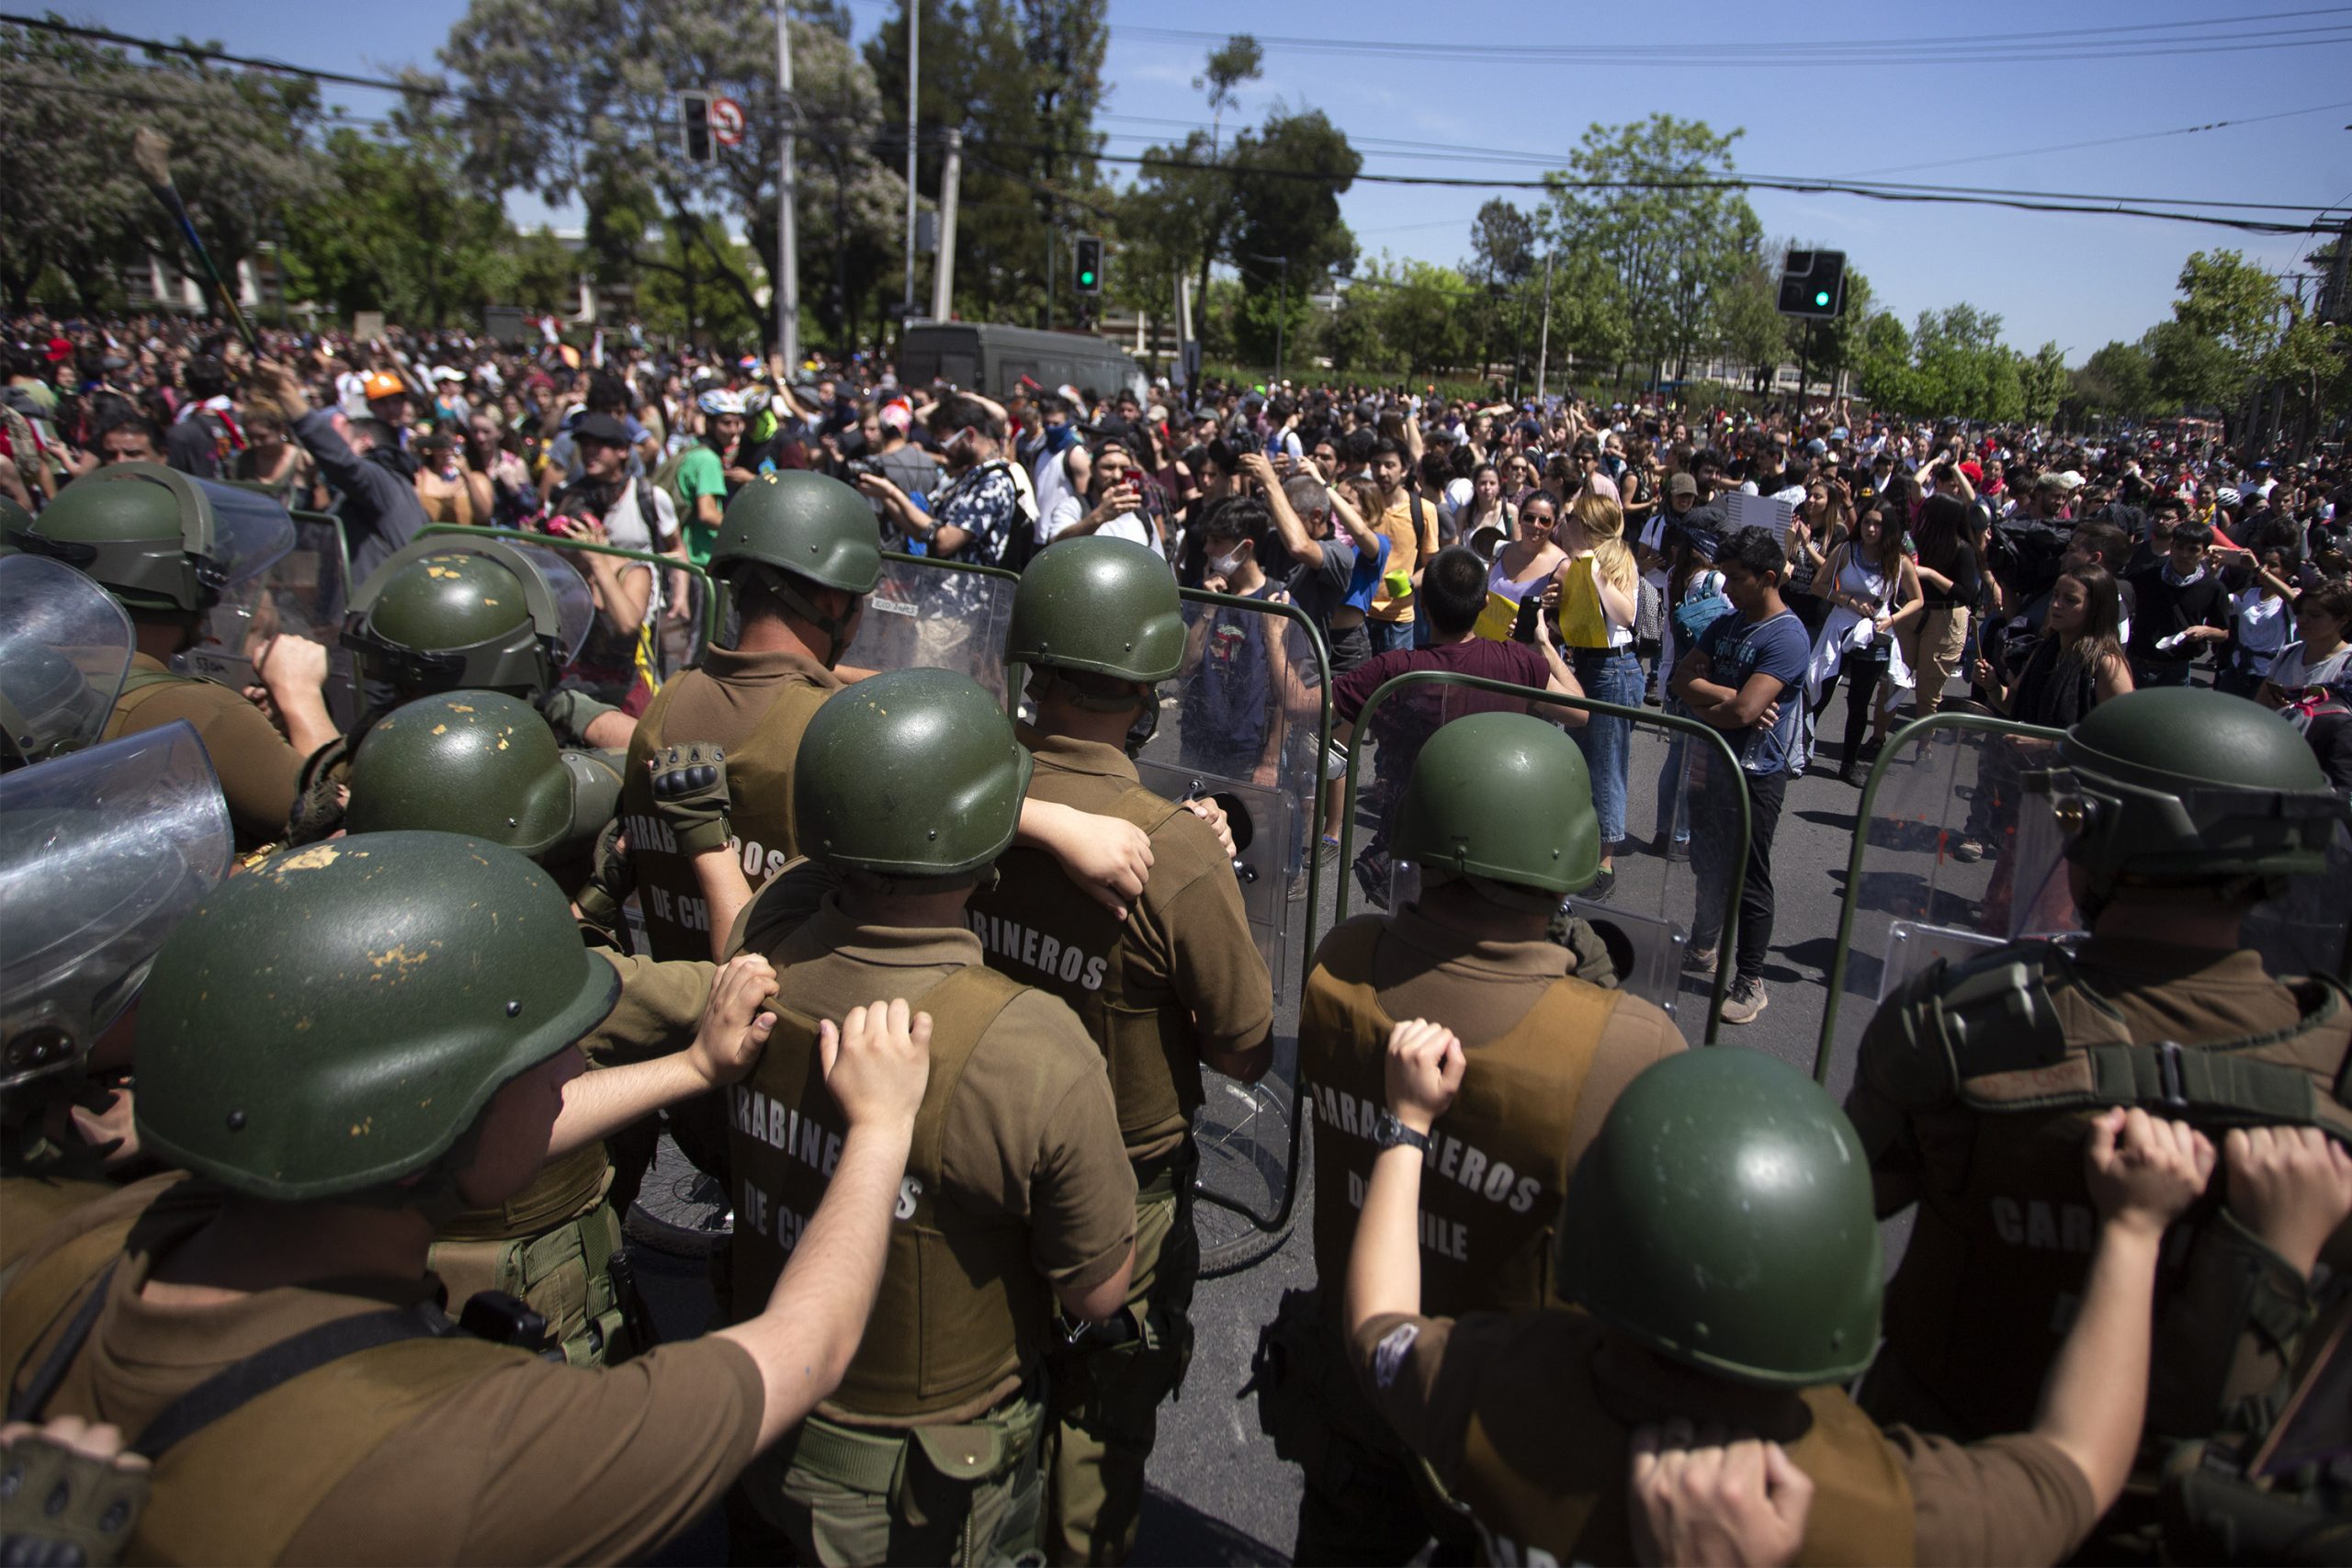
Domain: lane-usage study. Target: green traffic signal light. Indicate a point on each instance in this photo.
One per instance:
(1820, 297)
(1086, 280)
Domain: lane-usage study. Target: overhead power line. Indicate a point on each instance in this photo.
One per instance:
(2163, 209)
(2136, 40)
(2109, 140)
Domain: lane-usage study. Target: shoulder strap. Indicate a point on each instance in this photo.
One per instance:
(962, 1007)
(233, 1387)
(26, 1404)
(2009, 1051)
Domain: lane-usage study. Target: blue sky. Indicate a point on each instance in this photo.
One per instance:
(2077, 280)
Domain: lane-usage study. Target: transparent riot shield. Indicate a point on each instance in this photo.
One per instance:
(1939, 866)
(303, 593)
(1246, 721)
(934, 615)
(1685, 798)
(66, 646)
(111, 846)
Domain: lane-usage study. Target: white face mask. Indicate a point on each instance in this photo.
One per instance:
(1225, 566)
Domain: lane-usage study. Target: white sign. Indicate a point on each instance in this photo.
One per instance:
(726, 122)
(1742, 509)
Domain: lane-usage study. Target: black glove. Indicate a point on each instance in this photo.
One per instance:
(690, 793)
(62, 1508)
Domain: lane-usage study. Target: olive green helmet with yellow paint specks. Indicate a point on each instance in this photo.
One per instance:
(338, 1020)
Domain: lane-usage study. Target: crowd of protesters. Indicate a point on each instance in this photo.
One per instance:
(1914, 563)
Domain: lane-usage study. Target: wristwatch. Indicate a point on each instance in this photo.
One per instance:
(1388, 1132)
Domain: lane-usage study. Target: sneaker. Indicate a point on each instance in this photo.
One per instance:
(1372, 875)
(1744, 1000)
(1699, 961)
(1679, 850)
(1968, 852)
(1298, 887)
(1602, 885)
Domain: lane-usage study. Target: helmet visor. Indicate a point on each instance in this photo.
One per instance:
(66, 646)
(112, 845)
(575, 607)
(250, 531)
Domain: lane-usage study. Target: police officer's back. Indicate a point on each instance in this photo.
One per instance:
(1498, 814)
(799, 552)
(1719, 1246)
(1176, 985)
(409, 1052)
(1018, 1196)
(2183, 808)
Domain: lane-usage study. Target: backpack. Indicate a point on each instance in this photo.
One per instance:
(2026, 554)
(1696, 614)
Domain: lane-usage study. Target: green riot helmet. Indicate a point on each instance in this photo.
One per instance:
(483, 764)
(158, 539)
(794, 523)
(1097, 606)
(2175, 785)
(915, 773)
(65, 646)
(337, 1020)
(12, 518)
(1504, 797)
(1723, 1218)
(101, 853)
(448, 614)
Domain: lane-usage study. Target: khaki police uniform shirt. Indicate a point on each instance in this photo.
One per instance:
(1033, 1134)
(722, 704)
(1482, 989)
(657, 1012)
(2007, 1499)
(531, 1462)
(1187, 934)
(258, 770)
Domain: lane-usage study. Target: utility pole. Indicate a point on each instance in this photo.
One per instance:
(914, 54)
(787, 259)
(1049, 269)
(943, 270)
(1543, 337)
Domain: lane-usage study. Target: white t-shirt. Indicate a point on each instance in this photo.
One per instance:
(2263, 624)
(1069, 509)
(2289, 671)
(351, 394)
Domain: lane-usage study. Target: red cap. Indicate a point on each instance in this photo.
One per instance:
(1973, 471)
(58, 349)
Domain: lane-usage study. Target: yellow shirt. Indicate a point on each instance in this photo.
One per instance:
(1403, 555)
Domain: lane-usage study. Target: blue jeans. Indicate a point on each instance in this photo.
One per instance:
(1609, 675)
(1389, 635)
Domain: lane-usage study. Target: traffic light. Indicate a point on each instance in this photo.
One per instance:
(694, 121)
(1813, 283)
(1088, 254)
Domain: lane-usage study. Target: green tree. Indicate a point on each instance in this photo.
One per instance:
(394, 227)
(240, 155)
(2224, 323)
(2042, 382)
(2117, 381)
(1284, 216)
(1670, 253)
(1238, 60)
(1023, 80)
(1755, 334)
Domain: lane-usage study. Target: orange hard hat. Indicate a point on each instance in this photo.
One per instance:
(384, 384)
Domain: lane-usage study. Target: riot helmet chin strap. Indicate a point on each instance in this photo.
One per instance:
(781, 585)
